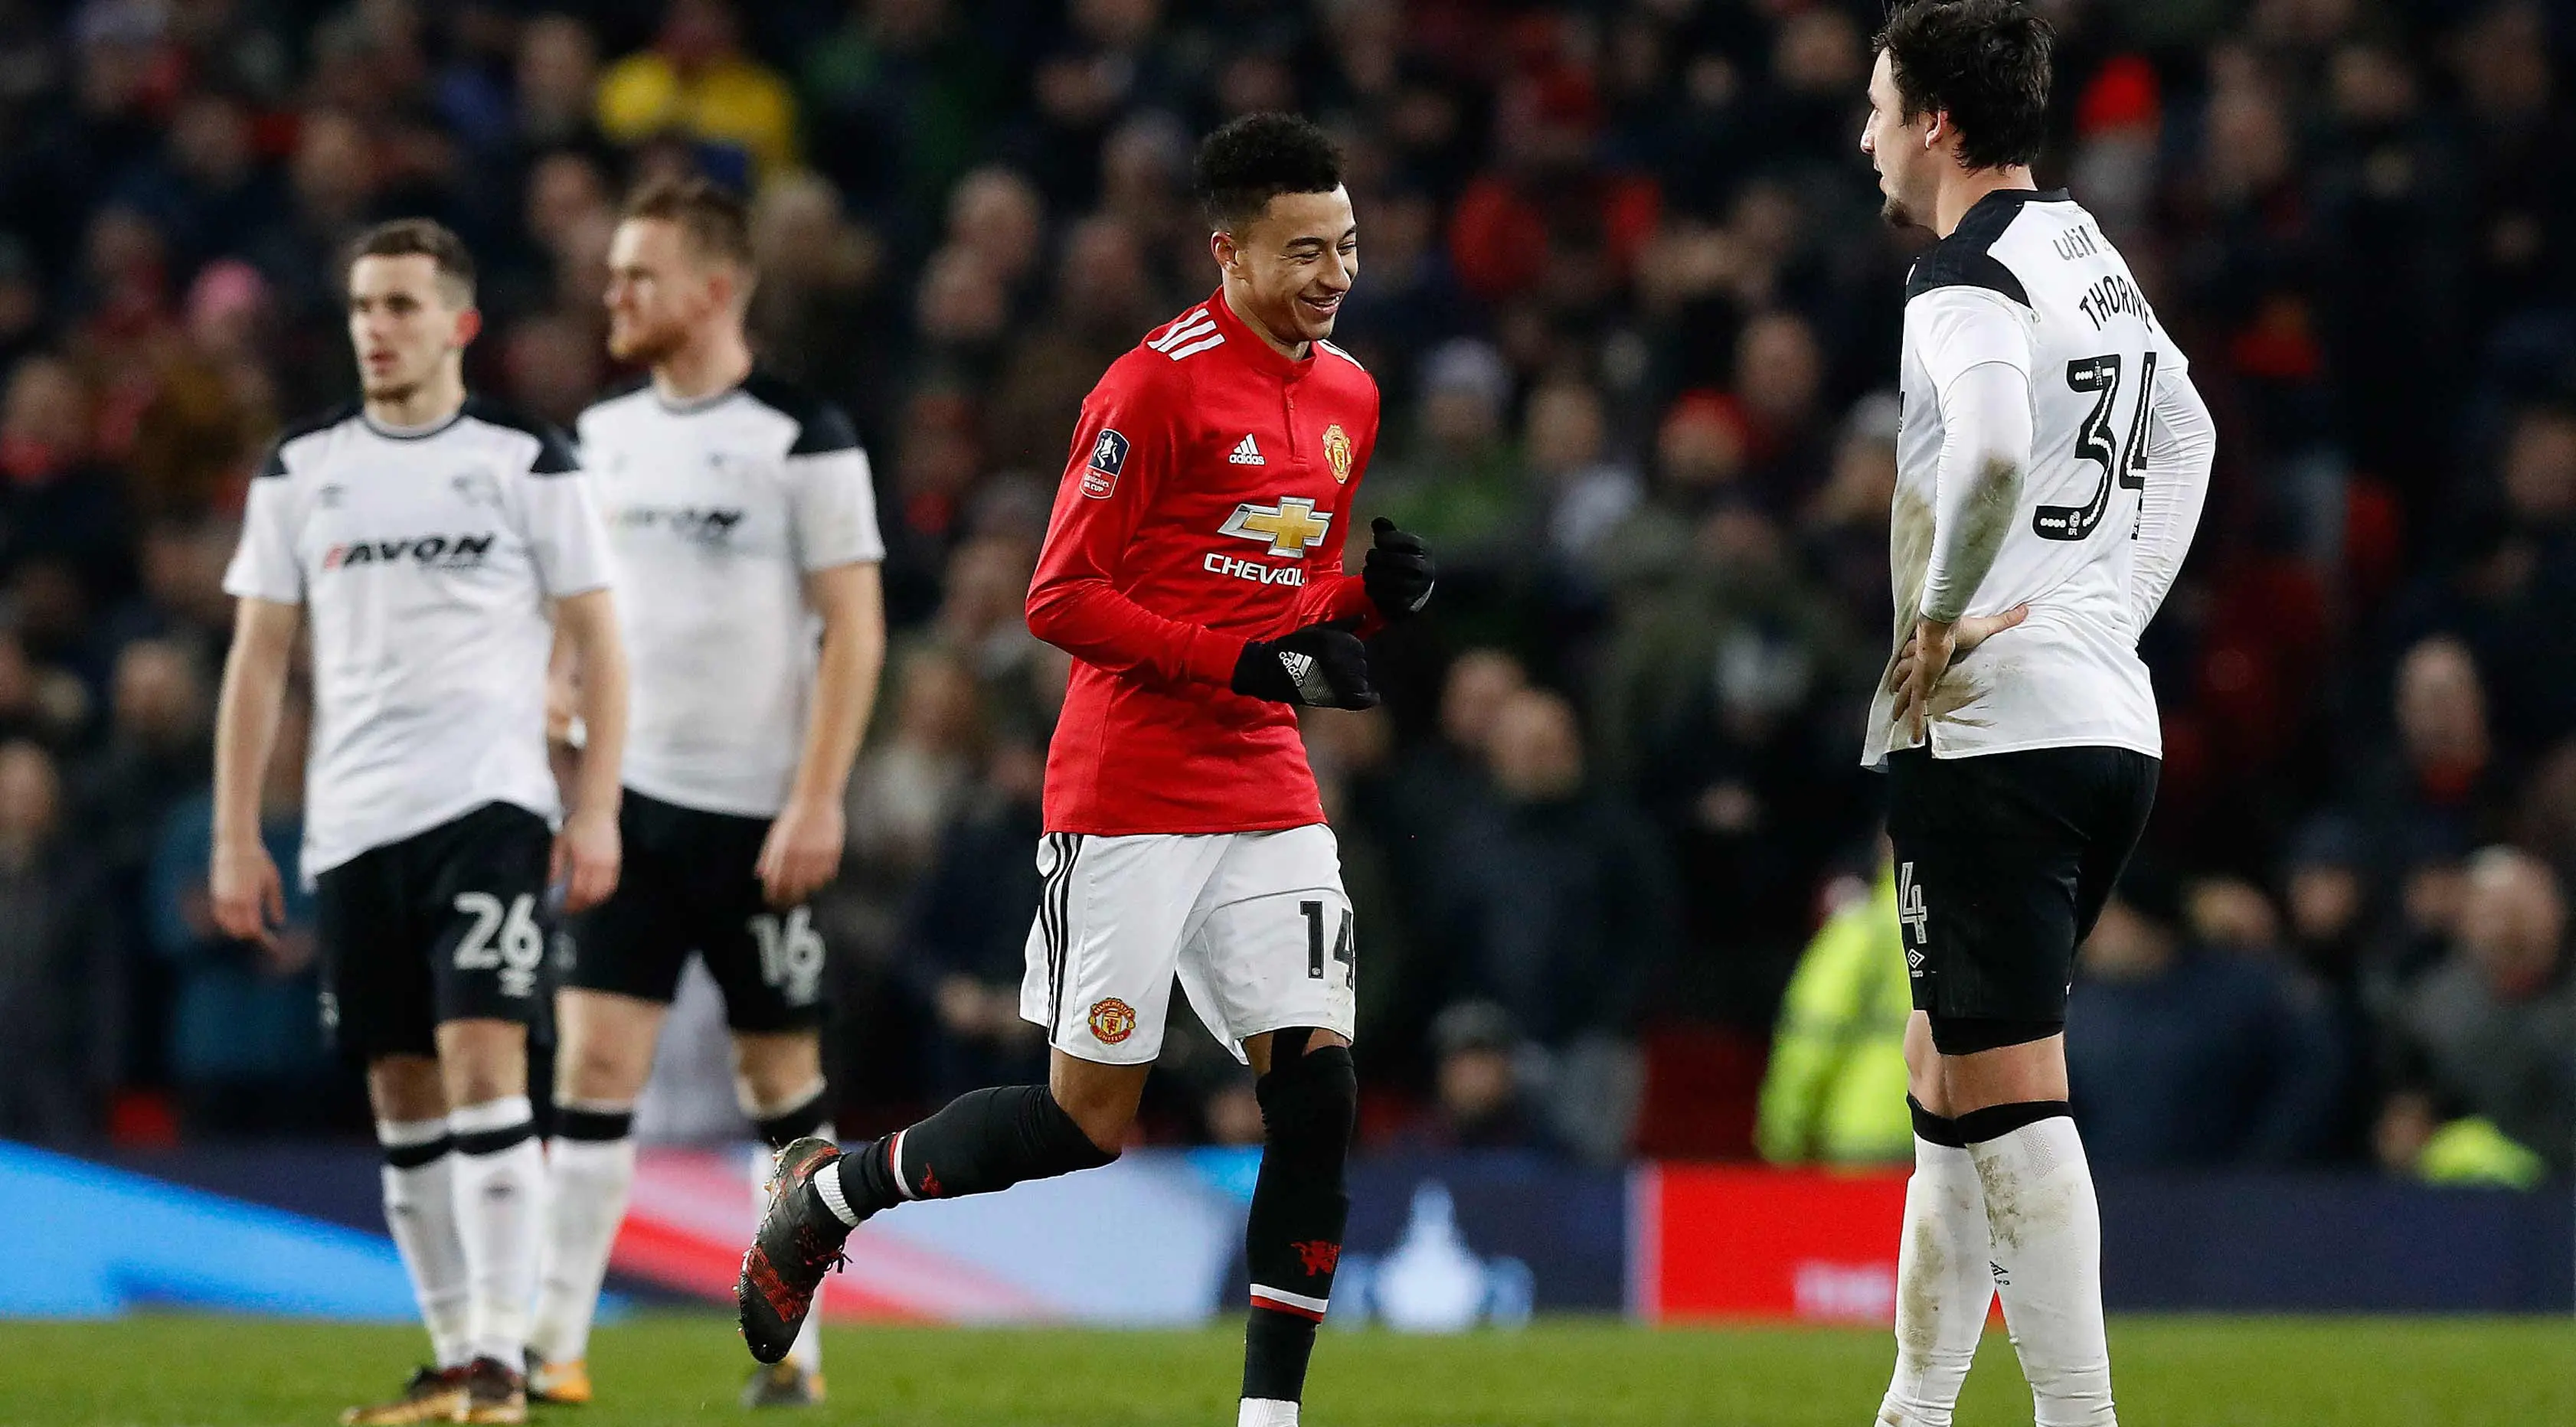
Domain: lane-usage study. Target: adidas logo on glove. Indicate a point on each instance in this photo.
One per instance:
(1309, 680)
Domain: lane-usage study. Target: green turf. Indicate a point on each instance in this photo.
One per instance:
(2188, 1372)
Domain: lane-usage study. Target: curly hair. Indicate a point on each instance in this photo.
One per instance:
(1251, 160)
(1985, 63)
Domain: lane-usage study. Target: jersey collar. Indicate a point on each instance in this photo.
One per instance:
(412, 433)
(1257, 353)
(2014, 198)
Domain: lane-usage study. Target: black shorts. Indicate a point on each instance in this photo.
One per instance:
(690, 884)
(2003, 862)
(446, 925)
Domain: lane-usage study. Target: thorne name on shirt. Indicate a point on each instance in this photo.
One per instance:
(1205, 503)
(424, 560)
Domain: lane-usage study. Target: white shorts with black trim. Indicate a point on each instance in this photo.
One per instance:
(1255, 924)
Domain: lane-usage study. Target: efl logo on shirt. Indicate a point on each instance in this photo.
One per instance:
(1108, 458)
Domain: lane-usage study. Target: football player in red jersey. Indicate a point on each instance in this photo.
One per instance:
(1193, 568)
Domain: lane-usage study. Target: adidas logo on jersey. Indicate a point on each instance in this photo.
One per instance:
(1247, 454)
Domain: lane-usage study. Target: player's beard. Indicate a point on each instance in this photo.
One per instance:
(390, 393)
(1896, 214)
(646, 345)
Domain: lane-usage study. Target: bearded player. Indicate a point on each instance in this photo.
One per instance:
(1193, 568)
(741, 509)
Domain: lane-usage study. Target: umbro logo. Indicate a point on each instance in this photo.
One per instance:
(1247, 454)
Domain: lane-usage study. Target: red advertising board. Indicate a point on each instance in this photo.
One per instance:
(1734, 1242)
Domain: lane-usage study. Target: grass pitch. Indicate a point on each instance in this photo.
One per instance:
(2187, 1372)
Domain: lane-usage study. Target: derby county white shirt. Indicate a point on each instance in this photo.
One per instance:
(717, 510)
(425, 561)
(2118, 464)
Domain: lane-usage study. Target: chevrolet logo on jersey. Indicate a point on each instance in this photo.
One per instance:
(1290, 526)
(438, 552)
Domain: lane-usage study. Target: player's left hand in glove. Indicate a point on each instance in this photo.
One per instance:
(1398, 573)
(1320, 666)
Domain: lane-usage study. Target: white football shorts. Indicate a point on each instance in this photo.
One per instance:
(1255, 924)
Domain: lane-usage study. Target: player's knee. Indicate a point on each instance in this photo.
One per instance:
(482, 1060)
(774, 1071)
(1310, 1099)
(1104, 1124)
(1102, 1109)
(1923, 1078)
(601, 1068)
(406, 1088)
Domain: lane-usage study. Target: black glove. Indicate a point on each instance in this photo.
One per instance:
(1320, 666)
(1398, 574)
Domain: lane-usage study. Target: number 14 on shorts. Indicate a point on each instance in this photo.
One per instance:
(1344, 951)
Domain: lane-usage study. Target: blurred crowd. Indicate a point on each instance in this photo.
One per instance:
(1636, 318)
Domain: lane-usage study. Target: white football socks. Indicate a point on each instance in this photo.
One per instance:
(1266, 1412)
(587, 1181)
(420, 1212)
(500, 1185)
(1943, 1287)
(2047, 1249)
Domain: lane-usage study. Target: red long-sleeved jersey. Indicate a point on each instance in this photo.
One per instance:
(1205, 504)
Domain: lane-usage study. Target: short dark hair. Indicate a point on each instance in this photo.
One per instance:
(713, 217)
(1985, 63)
(420, 237)
(1251, 160)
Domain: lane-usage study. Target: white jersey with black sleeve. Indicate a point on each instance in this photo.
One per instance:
(2051, 452)
(425, 561)
(718, 509)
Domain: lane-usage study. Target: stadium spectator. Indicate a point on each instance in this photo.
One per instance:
(696, 81)
(155, 753)
(2484, 1081)
(2446, 779)
(59, 982)
(966, 932)
(56, 502)
(1440, 778)
(1481, 1092)
(903, 794)
(245, 1042)
(1834, 1091)
(2190, 1047)
(1554, 900)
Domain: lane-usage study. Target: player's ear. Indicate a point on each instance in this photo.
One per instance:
(469, 325)
(1222, 246)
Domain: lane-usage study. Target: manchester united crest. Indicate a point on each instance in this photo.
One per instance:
(1337, 453)
(1112, 1021)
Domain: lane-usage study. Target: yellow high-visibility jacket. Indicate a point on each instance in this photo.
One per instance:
(1835, 1090)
